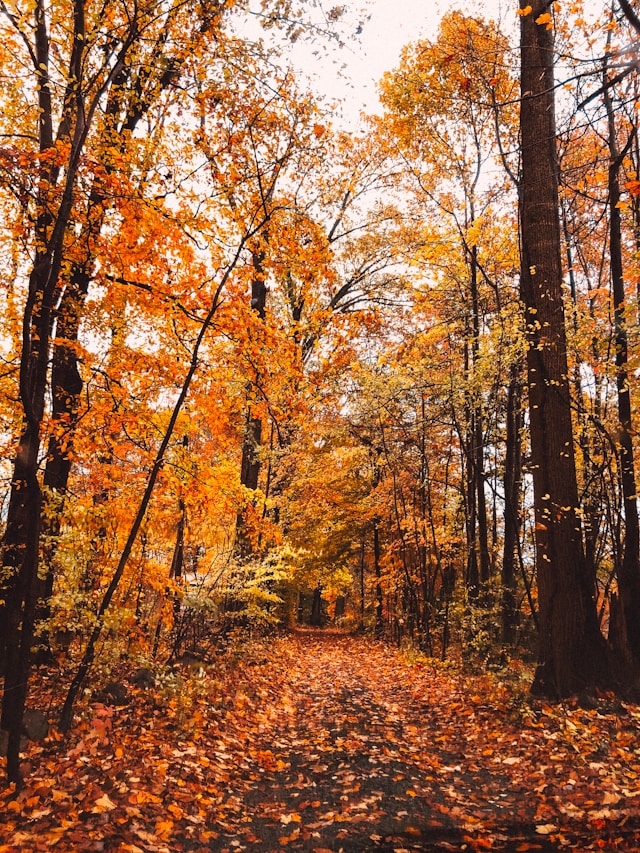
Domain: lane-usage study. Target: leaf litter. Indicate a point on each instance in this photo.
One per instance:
(321, 742)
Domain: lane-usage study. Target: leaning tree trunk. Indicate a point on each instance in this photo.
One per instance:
(572, 650)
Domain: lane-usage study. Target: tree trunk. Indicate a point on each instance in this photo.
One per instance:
(20, 589)
(21, 541)
(316, 608)
(512, 484)
(379, 625)
(572, 650)
(477, 431)
(629, 572)
(252, 439)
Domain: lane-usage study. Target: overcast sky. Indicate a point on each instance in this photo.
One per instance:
(393, 23)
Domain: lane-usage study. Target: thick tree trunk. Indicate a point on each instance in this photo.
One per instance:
(316, 608)
(66, 387)
(21, 541)
(20, 590)
(19, 586)
(572, 650)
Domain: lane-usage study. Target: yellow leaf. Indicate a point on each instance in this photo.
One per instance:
(290, 818)
(611, 799)
(103, 804)
(526, 11)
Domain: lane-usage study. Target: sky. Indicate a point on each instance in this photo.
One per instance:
(350, 73)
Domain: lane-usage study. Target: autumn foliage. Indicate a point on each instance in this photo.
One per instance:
(261, 373)
(315, 742)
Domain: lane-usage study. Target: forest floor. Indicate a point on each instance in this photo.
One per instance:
(325, 742)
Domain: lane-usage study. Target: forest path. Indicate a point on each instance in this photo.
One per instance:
(322, 742)
(356, 749)
(351, 755)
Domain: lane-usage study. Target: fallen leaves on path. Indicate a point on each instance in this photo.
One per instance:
(315, 742)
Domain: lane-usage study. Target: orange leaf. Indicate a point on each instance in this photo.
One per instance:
(545, 18)
(163, 828)
(147, 797)
(176, 811)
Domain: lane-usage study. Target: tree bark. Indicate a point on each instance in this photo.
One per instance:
(572, 650)
(21, 541)
(629, 571)
(512, 484)
(251, 463)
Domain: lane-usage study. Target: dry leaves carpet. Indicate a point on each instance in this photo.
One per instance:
(323, 743)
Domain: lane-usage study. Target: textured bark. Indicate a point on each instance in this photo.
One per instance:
(250, 463)
(572, 650)
(21, 541)
(629, 571)
(512, 485)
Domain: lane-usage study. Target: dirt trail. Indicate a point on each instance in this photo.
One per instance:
(320, 742)
(347, 737)
(358, 750)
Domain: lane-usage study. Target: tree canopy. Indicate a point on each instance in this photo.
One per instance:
(259, 371)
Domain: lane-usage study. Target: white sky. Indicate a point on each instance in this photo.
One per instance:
(393, 23)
